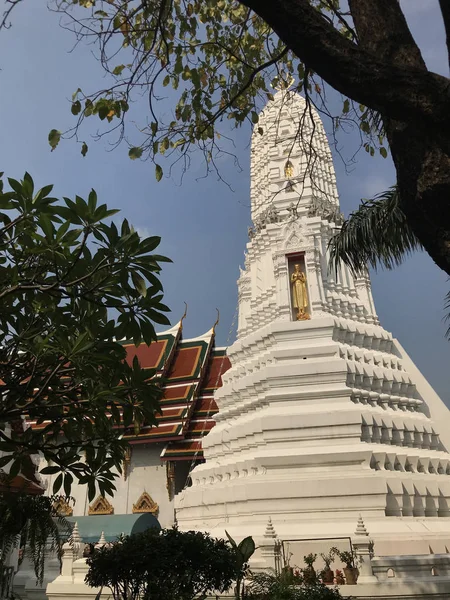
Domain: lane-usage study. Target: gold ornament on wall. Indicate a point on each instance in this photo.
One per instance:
(299, 293)
(146, 504)
(62, 508)
(101, 506)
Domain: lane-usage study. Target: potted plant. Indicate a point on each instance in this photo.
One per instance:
(350, 571)
(340, 580)
(309, 573)
(327, 574)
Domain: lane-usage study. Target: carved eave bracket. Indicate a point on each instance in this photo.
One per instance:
(101, 506)
(170, 466)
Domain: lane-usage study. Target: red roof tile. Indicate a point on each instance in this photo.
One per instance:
(20, 484)
(191, 370)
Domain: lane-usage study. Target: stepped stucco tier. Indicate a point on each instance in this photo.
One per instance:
(322, 415)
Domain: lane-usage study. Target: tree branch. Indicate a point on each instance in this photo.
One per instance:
(382, 30)
(400, 93)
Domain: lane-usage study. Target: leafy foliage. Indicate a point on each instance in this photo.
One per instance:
(161, 565)
(243, 552)
(377, 233)
(32, 519)
(71, 285)
(346, 556)
(220, 61)
(287, 585)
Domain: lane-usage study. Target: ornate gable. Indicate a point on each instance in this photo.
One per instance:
(146, 504)
(62, 508)
(101, 506)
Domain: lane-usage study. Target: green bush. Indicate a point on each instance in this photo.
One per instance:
(166, 565)
(288, 585)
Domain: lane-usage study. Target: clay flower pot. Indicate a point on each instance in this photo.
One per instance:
(327, 576)
(351, 575)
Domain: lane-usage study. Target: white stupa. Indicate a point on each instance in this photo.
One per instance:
(324, 418)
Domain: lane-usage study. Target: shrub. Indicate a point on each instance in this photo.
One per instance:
(164, 565)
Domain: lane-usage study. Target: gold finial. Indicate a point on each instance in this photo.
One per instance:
(184, 316)
(217, 321)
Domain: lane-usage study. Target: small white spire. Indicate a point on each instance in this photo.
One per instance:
(102, 541)
(361, 528)
(75, 537)
(75, 541)
(270, 530)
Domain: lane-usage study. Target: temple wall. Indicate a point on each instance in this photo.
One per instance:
(146, 473)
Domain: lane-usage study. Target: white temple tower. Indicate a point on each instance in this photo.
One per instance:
(323, 418)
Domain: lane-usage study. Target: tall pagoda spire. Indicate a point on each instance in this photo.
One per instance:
(290, 162)
(322, 415)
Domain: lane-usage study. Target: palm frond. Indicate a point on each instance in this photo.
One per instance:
(377, 234)
(447, 316)
(375, 122)
(33, 520)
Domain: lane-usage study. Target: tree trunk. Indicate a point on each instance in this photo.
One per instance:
(420, 154)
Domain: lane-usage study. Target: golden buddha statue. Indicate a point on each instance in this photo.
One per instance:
(288, 170)
(299, 293)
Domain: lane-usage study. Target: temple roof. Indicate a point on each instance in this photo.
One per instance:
(19, 483)
(191, 370)
(188, 370)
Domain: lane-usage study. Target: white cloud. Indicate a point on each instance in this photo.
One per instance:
(373, 185)
(143, 232)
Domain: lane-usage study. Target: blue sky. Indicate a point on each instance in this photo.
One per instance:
(203, 223)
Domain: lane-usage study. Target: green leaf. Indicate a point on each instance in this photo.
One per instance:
(50, 470)
(148, 332)
(68, 479)
(135, 153)
(57, 483)
(46, 225)
(139, 283)
(346, 107)
(118, 70)
(76, 108)
(158, 173)
(230, 539)
(383, 152)
(247, 548)
(53, 138)
(84, 149)
(92, 200)
(14, 469)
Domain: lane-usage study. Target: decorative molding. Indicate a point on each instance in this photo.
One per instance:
(326, 210)
(146, 504)
(101, 506)
(294, 236)
(244, 286)
(62, 508)
(279, 264)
